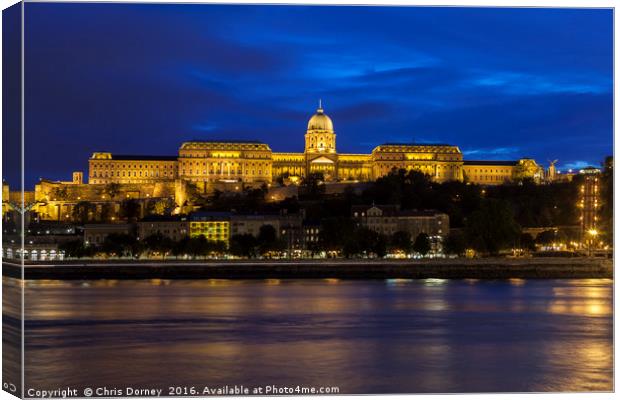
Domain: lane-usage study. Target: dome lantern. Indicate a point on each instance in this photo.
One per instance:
(320, 121)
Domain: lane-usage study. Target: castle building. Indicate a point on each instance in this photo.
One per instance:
(204, 163)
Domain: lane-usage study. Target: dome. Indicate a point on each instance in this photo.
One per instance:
(320, 121)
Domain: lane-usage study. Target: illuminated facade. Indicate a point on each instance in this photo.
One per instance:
(210, 162)
(214, 226)
(589, 204)
(104, 168)
(499, 172)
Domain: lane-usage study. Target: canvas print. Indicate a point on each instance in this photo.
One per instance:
(232, 199)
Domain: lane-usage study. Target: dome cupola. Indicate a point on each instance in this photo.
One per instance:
(320, 121)
(320, 136)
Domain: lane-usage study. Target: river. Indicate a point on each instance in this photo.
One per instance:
(394, 336)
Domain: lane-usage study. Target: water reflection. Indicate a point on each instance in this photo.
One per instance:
(363, 336)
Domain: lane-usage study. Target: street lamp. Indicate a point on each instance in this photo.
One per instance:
(593, 233)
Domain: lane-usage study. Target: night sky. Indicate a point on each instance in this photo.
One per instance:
(140, 79)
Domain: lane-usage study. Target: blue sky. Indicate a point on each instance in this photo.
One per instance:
(139, 79)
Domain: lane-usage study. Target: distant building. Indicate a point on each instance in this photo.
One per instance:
(250, 224)
(500, 172)
(214, 226)
(172, 227)
(107, 168)
(95, 234)
(32, 251)
(311, 234)
(589, 204)
(208, 162)
(389, 219)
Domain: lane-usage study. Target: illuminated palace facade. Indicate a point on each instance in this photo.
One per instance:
(211, 162)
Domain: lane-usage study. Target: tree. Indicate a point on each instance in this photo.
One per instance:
(527, 242)
(401, 240)
(158, 243)
(76, 248)
(410, 189)
(492, 228)
(455, 243)
(217, 247)
(194, 197)
(335, 233)
(180, 247)
(160, 206)
(267, 240)
(312, 185)
(197, 246)
(243, 245)
(422, 244)
(60, 193)
(119, 244)
(367, 242)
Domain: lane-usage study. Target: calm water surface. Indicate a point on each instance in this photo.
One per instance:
(362, 336)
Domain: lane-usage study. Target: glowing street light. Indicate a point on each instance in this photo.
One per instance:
(593, 233)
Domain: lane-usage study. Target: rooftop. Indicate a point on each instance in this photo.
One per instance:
(490, 162)
(225, 141)
(393, 210)
(138, 157)
(415, 144)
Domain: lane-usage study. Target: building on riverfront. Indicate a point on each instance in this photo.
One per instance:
(210, 162)
(389, 219)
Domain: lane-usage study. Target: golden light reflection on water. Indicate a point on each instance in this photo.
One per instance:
(588, 297)
(588, 308)
(219, 282)
(585, 360)
(412, 336)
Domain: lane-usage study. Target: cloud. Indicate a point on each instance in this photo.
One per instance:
(497, 151)
(523, 83)
(488, 80)
(577, 165)
(205, 127)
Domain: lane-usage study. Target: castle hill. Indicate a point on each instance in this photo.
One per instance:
(227, 202)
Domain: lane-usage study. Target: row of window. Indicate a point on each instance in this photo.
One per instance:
(490, 171)
(110, 174)
(220, 172)
(489, 178)
(220, 164)
(113, 165)
(215, 155)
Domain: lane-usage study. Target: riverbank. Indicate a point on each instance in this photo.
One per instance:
(487, 268)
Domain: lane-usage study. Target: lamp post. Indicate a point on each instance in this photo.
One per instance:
(592, 233)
